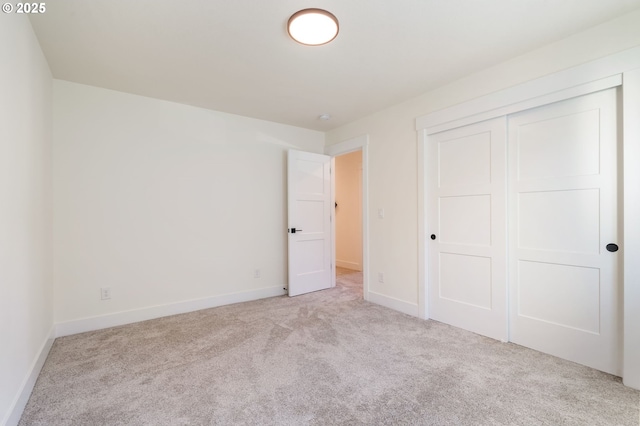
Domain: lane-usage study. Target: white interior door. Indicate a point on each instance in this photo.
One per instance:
(467, 223)
(309, 210)
(564, 295)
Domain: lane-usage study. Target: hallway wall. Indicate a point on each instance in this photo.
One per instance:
(349, 210)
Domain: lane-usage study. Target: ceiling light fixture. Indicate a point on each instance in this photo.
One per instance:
(313, 27)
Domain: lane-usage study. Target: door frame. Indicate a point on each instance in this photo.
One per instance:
(359, 143)
(620, 70)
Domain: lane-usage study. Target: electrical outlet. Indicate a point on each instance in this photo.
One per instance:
(380, 277)
(256, 273)
(381, 213)
(105, 293)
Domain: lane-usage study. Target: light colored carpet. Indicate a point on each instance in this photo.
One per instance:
(319, 359)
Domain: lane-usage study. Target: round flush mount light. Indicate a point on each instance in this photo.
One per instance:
(313, 27)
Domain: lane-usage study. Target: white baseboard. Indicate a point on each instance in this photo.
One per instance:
(395, 304)
(17, 407)
(349, 265)
(127, 317)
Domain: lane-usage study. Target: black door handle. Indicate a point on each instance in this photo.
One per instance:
(294, 230)
(433, 236)
(612, 247)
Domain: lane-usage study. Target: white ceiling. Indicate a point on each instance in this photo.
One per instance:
(235, 55)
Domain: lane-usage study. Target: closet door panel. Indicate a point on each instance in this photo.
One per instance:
(467, 223)
(563, 282)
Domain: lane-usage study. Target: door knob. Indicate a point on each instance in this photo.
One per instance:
(433, 236)
(294, 230)
(612, 247)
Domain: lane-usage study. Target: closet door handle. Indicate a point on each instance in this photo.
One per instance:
(433, 236)
(612, 247)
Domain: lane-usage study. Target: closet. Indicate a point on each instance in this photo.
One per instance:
(522, 228)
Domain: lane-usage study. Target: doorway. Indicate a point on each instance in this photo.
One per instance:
(348, 222)
(358, 144)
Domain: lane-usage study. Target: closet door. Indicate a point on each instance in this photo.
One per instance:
(467, 222)
(563, 281)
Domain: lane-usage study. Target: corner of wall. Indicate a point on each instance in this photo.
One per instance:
(22, 397)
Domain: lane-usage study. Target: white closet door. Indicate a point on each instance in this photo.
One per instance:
(563, 282)
(467, 223)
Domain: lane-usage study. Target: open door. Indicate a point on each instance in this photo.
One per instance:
(309, 223)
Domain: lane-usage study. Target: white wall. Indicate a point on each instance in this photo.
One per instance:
(26, 291)
(348, 176)
(393, 145)
(164, 203)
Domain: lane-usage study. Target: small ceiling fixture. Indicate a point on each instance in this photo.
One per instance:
(324, 117)
(313, 27)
